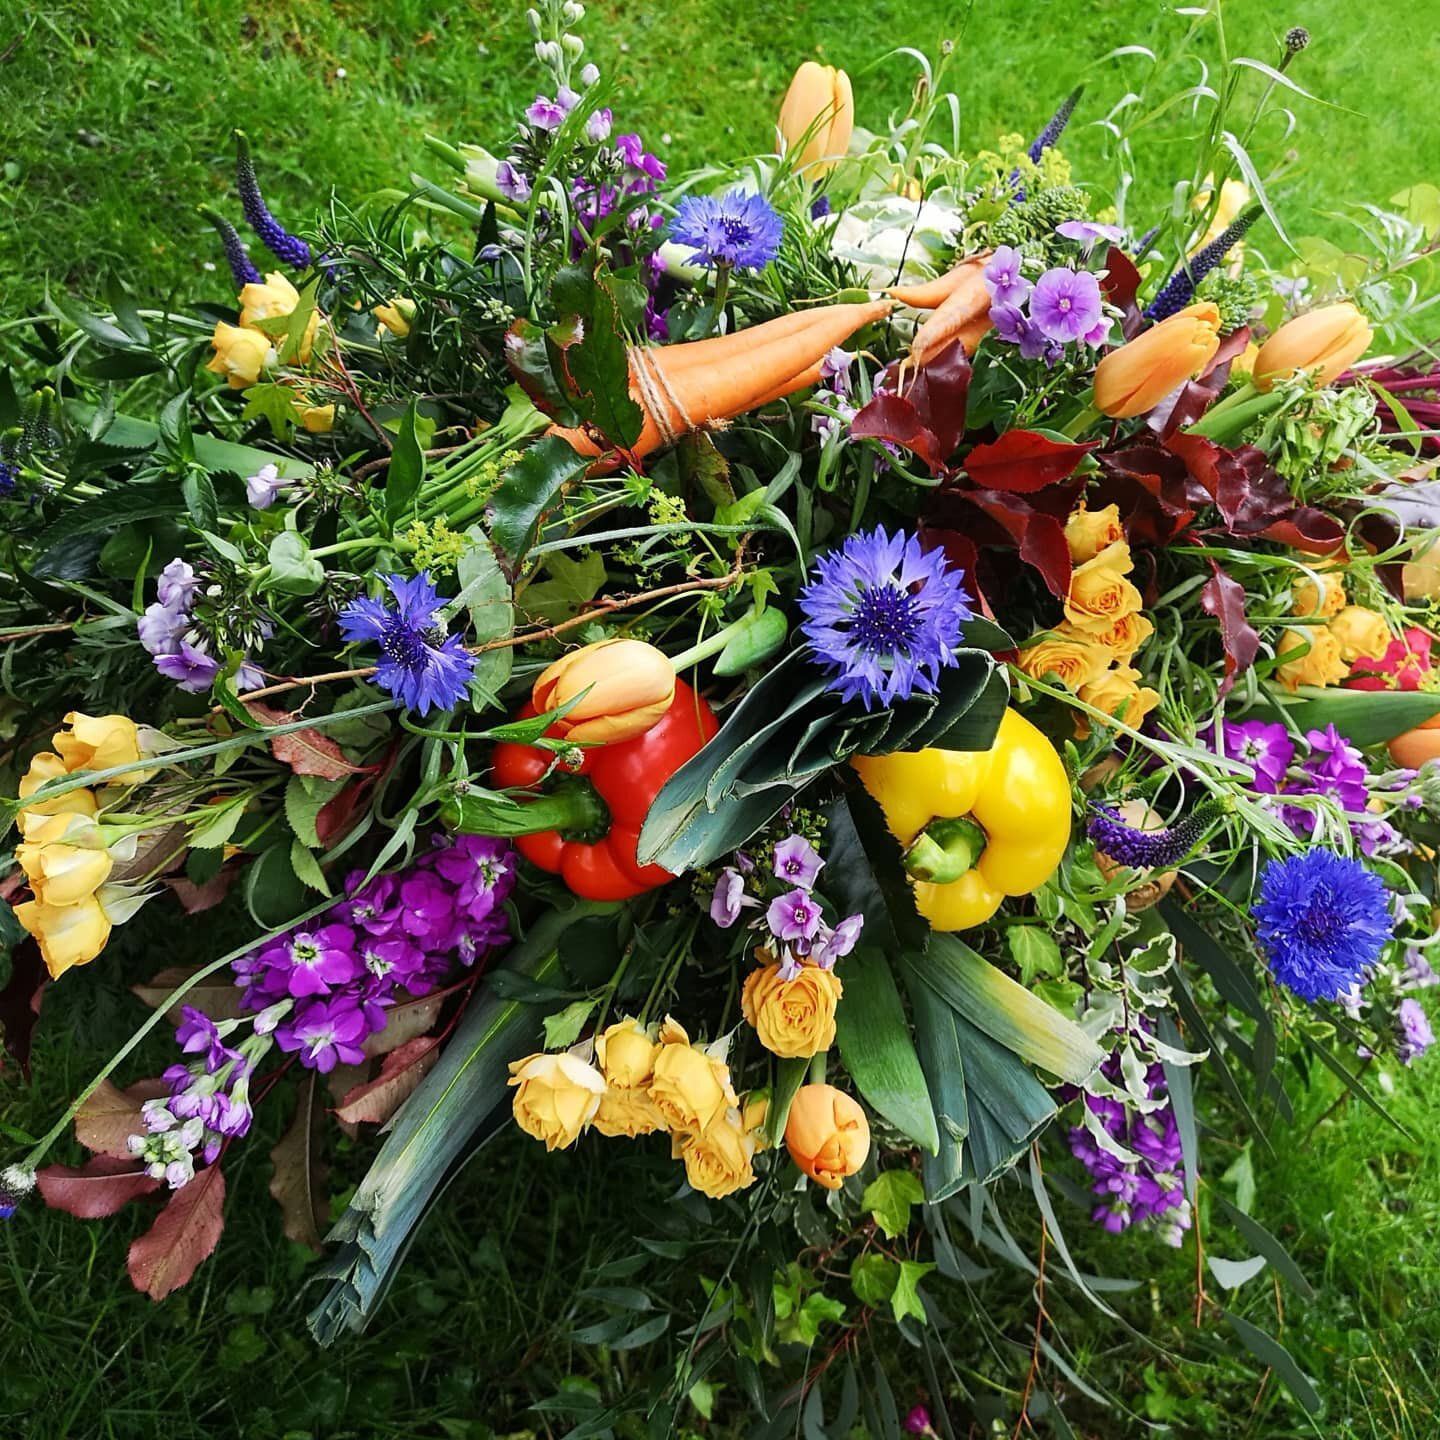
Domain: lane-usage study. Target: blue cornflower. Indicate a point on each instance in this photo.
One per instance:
(736, 229)
(420, 664)
(288, 248)
(242, 268)
(885, 616)
(1322, 919)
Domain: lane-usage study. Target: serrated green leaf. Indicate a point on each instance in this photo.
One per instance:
(890, 1196)
(305, 797)
(563, 1028)
(215, 830)
(307, 868)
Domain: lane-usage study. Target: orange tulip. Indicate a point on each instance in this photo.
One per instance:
(1412, 749)
(1138, 376)
(817, 115)
(631, 685)
(827, 1134)
(1328, 341)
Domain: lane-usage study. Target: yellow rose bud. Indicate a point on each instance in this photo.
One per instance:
(96, 742)
(1322, 664)
(64, 858)
(68, 935)
(1099, 592)
(240, 355)
(793, 1018)
(628, 1113)
(690, 1088)
(1360, 632)
(717, 1162)
(626, 1054)
(1118, 690)
(1139, 375)
(1326, 341)
(1124, 637)
(396, 315)
(1088, 532)
(47, 766)
(1323, 600)
(556, 1097)
(631, 686)
(274, 300)
(1073, 660)
(817, 115)
(827, 1134)
(754, 1115)
(318, 419)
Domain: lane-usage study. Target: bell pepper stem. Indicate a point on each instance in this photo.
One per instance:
(573, 807)
(944, 850)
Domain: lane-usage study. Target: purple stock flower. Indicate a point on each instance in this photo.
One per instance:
(427, 906)
(794, 917)
(420, 664)
(1265, 747)
(1003, 277)
(482, 869)
(917, 1422)
(197, 1032)
(321, 960)
(645, 170)
(189, 667)
(1066, 304)
(736, 229)
(326, 1033)
(796, 862)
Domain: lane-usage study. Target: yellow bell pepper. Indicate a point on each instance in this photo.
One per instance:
(977, 825)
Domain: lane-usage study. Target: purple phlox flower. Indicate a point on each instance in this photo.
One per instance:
(836, 365)
(1066, 304)
(242, 268)
(644, 170)
(835, 416)
(326, 1033)
(1267, 748)
(1419, 973)
(1291, 289)
(1322, 921)
(546, 114)
(884, 616)
(512, 182)
(797, 862)
(832, 945)
(420, 664)
(729, 899)
(1415, 1034)
(263, 488)
(190, 667)
(589, 75)
(160, 629)
(288, 248)
(597, 127)
(794, 916)
(427, 906)
(1014, 327)
(737, 229)
(321, 960)
(176, 585)
(1090, 232)
(1004, 278)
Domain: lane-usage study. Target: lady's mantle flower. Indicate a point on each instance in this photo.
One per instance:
(1322, 919)
(420, 664)
(735, 229)
(1066, 305)
(885, 616)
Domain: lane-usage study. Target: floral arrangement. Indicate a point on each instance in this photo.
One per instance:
(870, 667)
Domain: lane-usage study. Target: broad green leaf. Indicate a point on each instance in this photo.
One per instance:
(1364, 717)
(938, 1044)
(407, 469)
(905, 1298)
(890, 1196)
(216, 829)
(293, 570)
(600, 369)
(873, 1278)
(864, 875)
(307, 867)
(529, 488)
(877, 1050)
(564, 1026)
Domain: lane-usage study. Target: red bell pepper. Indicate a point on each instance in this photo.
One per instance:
(600, 805)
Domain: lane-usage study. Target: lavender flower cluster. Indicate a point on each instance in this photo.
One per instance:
(1150, 1190)
(1062, 307)
(181, 650)
(793, 923)
(321, 992)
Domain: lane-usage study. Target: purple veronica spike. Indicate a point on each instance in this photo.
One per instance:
(285, 247)
(1056, 126)
(1148, 849)
(885, 616)
(1179, 290)
(735, 229)
(420, 664)
(242, 268)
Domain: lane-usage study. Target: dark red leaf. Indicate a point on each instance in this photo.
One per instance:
(1224, 597)
(1024, 460)
(1308, 529)
(1122, 280)
(1154, 491)
(195, 898)
(963, 555)
(110, 1116)
(185, 1232)
(306, 752)
(891, 417)
(20, 1001)
(1230, 346)
(939, 390)
(403, 1070)
(1040, 538)
(103, 1185)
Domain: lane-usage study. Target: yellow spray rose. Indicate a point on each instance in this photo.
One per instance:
(556, 1096)
(96, 742)
(690, 1088)
(1121, 688)
(1073, 660)
(396, 315)
(1088, 532)
(626, 1054)
(240, 355)
(1124, 637)
(793, 1018)
(1323, 600)
(1322, 664)
(717, 1162)
(1099, 592)
(827, 1134)
(63, 858)
(68, 935)
(47, 766)
(1360, 632)
(273, 300)
(627, 1112)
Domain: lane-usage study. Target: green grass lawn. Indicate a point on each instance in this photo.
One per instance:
(116, 124)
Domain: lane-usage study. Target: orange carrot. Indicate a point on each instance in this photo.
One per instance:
(691, 352)
(930, 294)
(964, 316)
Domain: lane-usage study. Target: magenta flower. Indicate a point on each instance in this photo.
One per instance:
(1066, 304)
(796, 862)
(795, 916)
(1265, 747)
(321, 960)
(429, 906)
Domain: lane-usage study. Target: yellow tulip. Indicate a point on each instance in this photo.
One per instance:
(817, 115)
(396, 315)
(240, 355)
(1138, 376)
(827, 1134)
(1326, 341)
(68, 935)
(631, 685)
